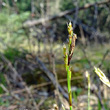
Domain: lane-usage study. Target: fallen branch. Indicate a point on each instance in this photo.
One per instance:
(30, 23)
(51, 77)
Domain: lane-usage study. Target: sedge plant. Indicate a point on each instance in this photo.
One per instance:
(67, 58)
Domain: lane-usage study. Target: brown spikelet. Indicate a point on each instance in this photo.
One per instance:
(72, 48)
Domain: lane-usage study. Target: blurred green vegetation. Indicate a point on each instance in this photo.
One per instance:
(11, 30)
(13, 34)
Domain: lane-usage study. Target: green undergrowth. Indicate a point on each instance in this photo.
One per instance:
(5, 103)
(12, 53)
(2, 81)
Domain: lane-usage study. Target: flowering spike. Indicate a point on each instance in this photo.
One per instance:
(65, 56)
(102, 76)
(70, 29)
(64, 49)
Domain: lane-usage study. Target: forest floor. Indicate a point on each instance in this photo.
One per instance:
(43, 94)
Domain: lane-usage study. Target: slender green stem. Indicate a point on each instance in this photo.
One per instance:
(68, 79)
(88, 97)
(88, 78)
(69, 86)
(63, 107)
(70, 107)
